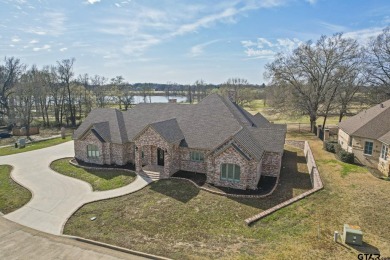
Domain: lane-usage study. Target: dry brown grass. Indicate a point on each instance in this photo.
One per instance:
(175, 219)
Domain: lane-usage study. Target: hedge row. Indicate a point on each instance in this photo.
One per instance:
(342, 155)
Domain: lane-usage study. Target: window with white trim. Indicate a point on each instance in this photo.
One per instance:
(93, 151)
(197, 156)
(384, 152)
(368, 145)
(230, 172)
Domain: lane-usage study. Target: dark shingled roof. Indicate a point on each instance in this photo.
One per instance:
(169, 130)
(373, 123)
(205, 125)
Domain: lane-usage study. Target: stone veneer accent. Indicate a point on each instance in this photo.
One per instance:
(315, 178)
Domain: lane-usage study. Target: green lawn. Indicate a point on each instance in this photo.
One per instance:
(12, 195)
(33, 146)
(100, 180)
(173, 218)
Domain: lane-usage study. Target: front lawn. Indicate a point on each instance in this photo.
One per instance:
(104, 179)
(12, 195)
(174, 218)
(33, 146)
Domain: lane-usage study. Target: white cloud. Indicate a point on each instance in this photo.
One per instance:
(63, 49)
(93, 1)
(266, 49)
(44, 47)
(34, 41)
(364, 35)
(312, 2)
(333, 27)
(198, 49)
(260, 54)
(15, 39)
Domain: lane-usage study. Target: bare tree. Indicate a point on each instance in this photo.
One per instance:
(10, 73)
(99, 90)
(378, 66)
(314, 72)
(65, 73)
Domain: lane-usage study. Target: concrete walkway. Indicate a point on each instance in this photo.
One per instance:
(19, 242)
(55, 196)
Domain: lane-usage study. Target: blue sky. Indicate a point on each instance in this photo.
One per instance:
(176, 40)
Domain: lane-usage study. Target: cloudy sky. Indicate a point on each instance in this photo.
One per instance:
(177, 40)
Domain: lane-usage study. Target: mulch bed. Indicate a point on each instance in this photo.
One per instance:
(264, 186)
(128, 166)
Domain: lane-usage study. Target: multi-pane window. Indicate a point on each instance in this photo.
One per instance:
(368, 147)
(197, 156)
(230, 172)
(93, 151)
(384, 152)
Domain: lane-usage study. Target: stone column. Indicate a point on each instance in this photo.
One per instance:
(319, 128)
(138, 159)
(326, 136)
(167, 163)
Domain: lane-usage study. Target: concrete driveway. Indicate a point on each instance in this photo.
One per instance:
(55, 197)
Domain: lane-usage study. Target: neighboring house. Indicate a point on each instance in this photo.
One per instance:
(367, 135)
(215, 137)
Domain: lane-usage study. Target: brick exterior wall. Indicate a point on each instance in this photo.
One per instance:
(193, 166)
(178, 158)
(271, 164)
(80, 149)
(248, 170)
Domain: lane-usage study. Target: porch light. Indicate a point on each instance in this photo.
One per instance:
(136, 148)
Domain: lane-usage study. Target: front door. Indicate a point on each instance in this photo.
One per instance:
(160, 156)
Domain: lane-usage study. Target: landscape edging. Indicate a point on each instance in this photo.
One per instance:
(315, 178)
(117, 248)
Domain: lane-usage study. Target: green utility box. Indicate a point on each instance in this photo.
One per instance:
(352, 235)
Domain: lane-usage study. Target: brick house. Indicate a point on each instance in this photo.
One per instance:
(367, 135)
(215, 137)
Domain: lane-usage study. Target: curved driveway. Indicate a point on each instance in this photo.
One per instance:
(55, 196)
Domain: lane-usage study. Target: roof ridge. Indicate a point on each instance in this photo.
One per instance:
(225, 101)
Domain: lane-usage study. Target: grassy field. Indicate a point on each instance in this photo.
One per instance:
(99, 179)
(175, 219)
(12, 195)
(277, 117)
(33, 146)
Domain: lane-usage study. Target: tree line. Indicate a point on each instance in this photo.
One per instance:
(55, 96)
(327, 76)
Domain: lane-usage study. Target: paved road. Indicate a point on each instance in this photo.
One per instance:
(55, 196)
(19, 242)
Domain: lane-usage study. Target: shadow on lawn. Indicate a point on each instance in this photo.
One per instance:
(184, 195)
(293, 175)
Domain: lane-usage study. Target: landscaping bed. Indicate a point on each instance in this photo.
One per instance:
(12, 195)
(128, 166)
(100, 179)
(264, 186)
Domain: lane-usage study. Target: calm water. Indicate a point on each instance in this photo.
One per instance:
(158, 99)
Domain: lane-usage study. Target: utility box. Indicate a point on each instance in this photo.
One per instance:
(352, 235)
(21, 143)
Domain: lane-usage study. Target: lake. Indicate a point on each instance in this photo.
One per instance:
(158, 99)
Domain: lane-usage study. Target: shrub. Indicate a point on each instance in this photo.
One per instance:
(344, 156)
(330, 146)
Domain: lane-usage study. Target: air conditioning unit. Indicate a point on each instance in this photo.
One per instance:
(352, 235)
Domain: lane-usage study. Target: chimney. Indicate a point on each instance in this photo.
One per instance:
(172, 100)
(232, 94)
